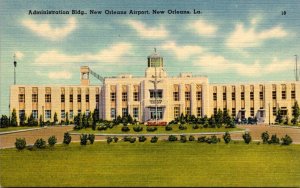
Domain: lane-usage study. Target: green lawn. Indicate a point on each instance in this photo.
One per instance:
(160, 129)
(153, 164)
(16, 128)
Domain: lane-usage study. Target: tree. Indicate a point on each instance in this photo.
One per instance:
(83, 139)
(40, 143)
(247, 137)
(52, 140)
(212, 121)
(41, 122)
(67, 138)
(13, 120)
(90, 120)
(287, 140)
(265, 137)
(226, 118)
(296, 113)
(32, 121)
(84, 121)
(67, 119)
(4, 121)
(219, 118)
(55, 118)
(20, 143)
(279, 117)
(227, 137)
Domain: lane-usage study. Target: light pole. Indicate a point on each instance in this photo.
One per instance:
(269, 114)
(15, 65)
(43, 114)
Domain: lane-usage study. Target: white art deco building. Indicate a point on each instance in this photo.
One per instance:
(127, 94)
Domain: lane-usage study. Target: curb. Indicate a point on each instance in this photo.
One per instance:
(24, 130)
(284, 126)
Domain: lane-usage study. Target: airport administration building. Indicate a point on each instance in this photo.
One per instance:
(127, 94)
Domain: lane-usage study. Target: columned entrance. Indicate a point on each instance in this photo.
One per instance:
(153, 113)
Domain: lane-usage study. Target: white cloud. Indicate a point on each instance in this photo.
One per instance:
(246, 38)
(59, 75)
(56, 75)
(46, 30)
(202, 27)
(182, 52)
(218, 64)
(19, 55)
(148, 32)
(111, 55)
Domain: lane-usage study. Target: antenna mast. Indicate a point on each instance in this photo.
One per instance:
(15, 65)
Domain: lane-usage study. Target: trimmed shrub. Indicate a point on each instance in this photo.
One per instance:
(214, 139)
(182, 127)
(172, 138)
(102, 128)
(67, 138)
(196, 126)
(52, 140)
(191, 138)
(274, 139)
(265, 137)
(168, 128)
(109, 140)
(132, 140)
(83, 139)
(227, 137)
(154, 139)
(183, 138)
(202, 139)
(40, 143)
(247, 137)
(20, 143)
(125, 129)
(138, 128)
(116, 139)
(126, 138)
(151, 129)
(142, 138)
(287, 140)
(91, 138)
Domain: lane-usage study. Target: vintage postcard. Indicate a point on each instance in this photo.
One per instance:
(149, 93)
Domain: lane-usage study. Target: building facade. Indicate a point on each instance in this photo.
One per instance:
(156, 96)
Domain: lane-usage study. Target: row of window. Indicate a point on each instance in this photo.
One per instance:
(135, 113)
(124, 96)
(62, 98)
(187, 111)
(48, 113)
(261, 95)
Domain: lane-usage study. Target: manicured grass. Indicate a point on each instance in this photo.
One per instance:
(160, 129)
(16, 128)
(153, 164)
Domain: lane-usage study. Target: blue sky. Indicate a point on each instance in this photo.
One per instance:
(229, 41)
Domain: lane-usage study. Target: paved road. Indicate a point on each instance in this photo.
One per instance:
(8, 140)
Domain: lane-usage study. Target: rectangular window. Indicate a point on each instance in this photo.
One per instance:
(78, 111)
(71, 114)
(199, 111)
(293, 94)
(21, 113)
(97, 97)
(62, 114)
(113, 113)
(35, 114)
(274, 111)
(176, 111)
(34, 98)
(48, 114)
(274, 95)
(62, 98)
(252, 111)
(135, 112)
(187, 96)
(124, 112)
(21, 98)
(199, 95)
(124, 96)
(251, 95)
(215, 111)
(48, 98)
(159, 94)
(233, 96)
(112, 97)
(283, 95)
(176, 96)
(187, 110)
(242, 95)
(261, 95)
(214, 96)
(135, 96)
(233, 112)
(78, 98)
(284, 111)
(71, 98)
(224, 96)
(87, 98)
